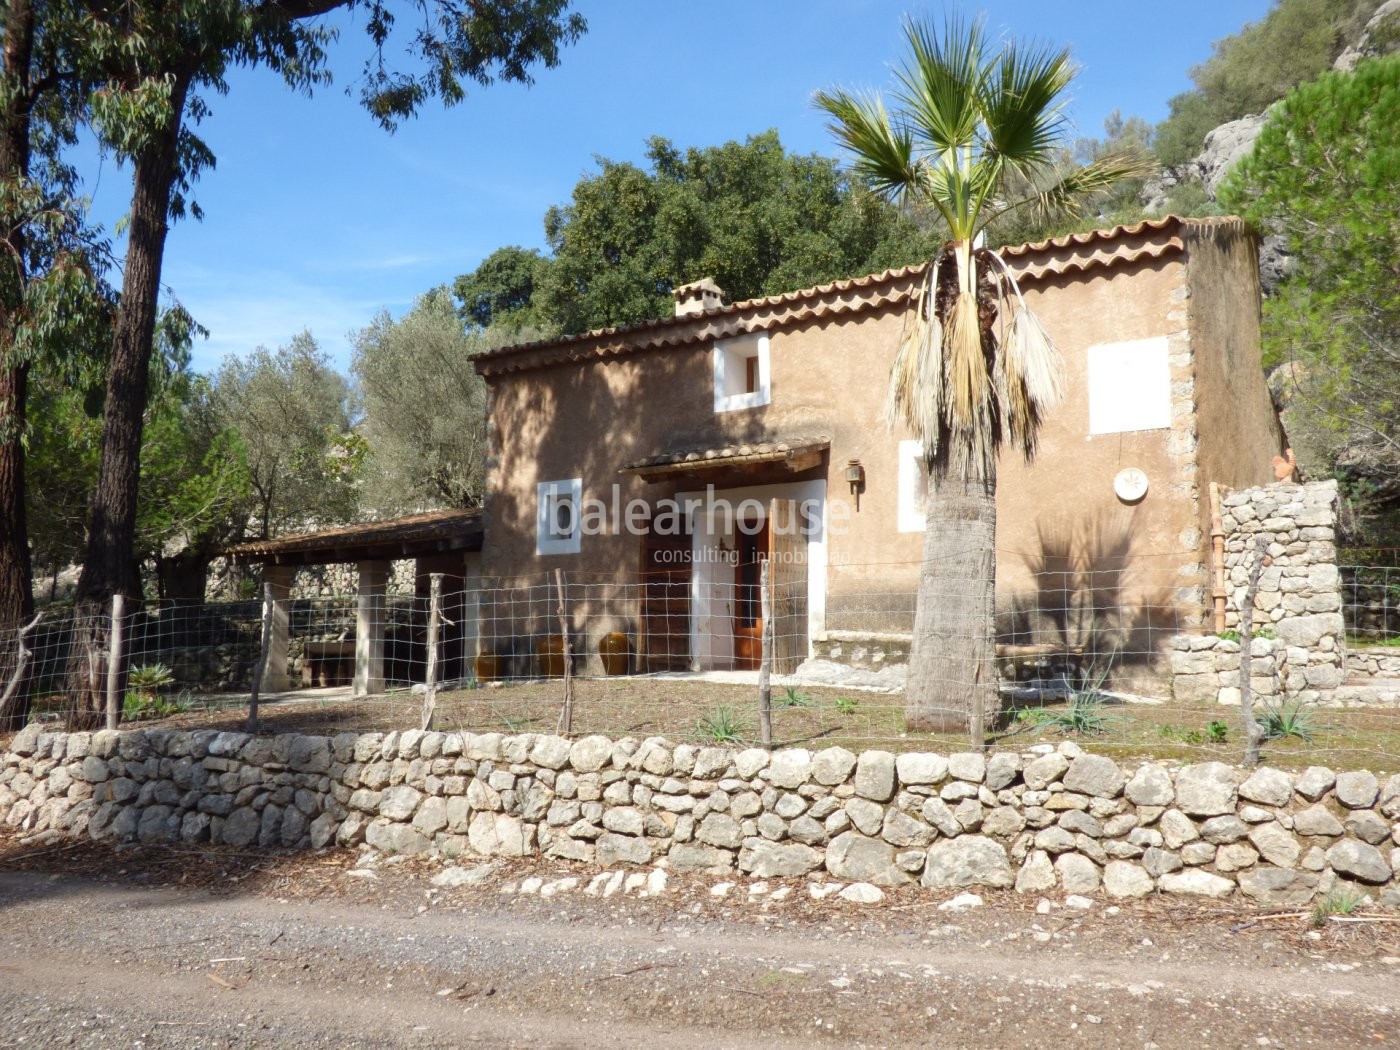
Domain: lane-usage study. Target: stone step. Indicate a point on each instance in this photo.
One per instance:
(1368, 692)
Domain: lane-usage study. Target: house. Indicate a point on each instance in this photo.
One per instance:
(658, 466)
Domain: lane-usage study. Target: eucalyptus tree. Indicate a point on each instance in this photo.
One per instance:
(159, 61)
(976, 119)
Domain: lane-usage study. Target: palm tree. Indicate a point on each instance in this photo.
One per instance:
(979, 131)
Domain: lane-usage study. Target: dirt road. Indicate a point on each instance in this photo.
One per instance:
(382, 958)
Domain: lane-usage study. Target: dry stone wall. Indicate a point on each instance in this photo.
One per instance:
(1298, 649)
(1050, 818)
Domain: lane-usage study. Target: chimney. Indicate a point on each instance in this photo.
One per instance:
(698, 297)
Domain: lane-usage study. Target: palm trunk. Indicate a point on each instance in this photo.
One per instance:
(108, 565)
(952, 684)
(16, 570)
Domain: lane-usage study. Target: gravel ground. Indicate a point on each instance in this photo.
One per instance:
(170, 948)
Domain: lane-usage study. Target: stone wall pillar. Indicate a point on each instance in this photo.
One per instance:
(1299, 634)
(278, 579)
(369, 628)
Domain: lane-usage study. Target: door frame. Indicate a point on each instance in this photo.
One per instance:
(710, 648)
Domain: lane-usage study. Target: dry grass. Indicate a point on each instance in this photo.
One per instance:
(822, 717)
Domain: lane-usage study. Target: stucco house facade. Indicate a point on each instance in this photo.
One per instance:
(660, 464)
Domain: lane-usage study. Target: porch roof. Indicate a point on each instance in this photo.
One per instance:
(434, 532)
(797, 454)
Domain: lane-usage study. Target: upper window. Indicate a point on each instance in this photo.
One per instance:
(557, 528)
(741, 373)
(913, 487)
(1129, 386)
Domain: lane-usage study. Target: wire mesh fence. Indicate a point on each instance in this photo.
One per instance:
(675, 655)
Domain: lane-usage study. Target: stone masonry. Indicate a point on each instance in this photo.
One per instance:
(1299, 644)
(1048, 819)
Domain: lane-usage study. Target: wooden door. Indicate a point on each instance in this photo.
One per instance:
(787, 574)
(752, 547)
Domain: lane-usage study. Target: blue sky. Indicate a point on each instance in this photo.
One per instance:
(315, 218)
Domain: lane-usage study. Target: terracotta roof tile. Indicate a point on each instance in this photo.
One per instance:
(1030, 263)
(775, 451)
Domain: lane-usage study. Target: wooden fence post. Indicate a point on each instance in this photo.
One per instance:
(566, 716)
(430, 674)
(114, 663)
(765, 660)
(262, 658)
(1253, 732)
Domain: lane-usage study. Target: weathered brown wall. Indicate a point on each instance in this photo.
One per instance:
(1239, 430)
(589, 417)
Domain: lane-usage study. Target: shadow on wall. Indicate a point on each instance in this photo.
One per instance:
(1085, 598)
(588, 421)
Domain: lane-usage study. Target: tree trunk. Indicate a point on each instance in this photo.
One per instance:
(16, 570)
(952, 668)
(108, 565)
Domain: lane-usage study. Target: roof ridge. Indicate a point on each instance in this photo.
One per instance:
(1022, 254)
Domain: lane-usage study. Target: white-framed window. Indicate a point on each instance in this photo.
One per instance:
(1130, 386)
(741, 373)
(913, 487)
(557, 528)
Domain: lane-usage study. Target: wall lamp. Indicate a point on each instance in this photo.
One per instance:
(855, 477)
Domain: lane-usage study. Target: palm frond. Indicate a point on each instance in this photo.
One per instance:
(940, 82)
(883, 152)
(1069, 192)
(1022, 110)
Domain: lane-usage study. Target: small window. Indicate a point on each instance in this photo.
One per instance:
(557, 517)
(742, 374)
(913, 487)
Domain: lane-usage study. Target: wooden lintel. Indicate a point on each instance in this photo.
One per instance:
(801, 461)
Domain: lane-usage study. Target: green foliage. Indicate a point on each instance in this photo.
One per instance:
(792, 697)
(1293, 43)
(148, 678)
(1341, 901)
(752, 216)
(193, 481)
(139, 706)
(1231, 634)
(723, 725)
(143, 699)
(291, 413)
(1083, 715)
(424, 407)
(1289, 719)
(1214, 732)
(500, 292)
(1323, 174)
(846, 705)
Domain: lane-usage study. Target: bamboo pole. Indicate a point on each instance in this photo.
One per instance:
(430, 674)
(765, 660)
(1217, 557)
(566, 716)
(262, 658)
(114, 663)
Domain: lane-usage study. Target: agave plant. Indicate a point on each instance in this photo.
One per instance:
(978, 131)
